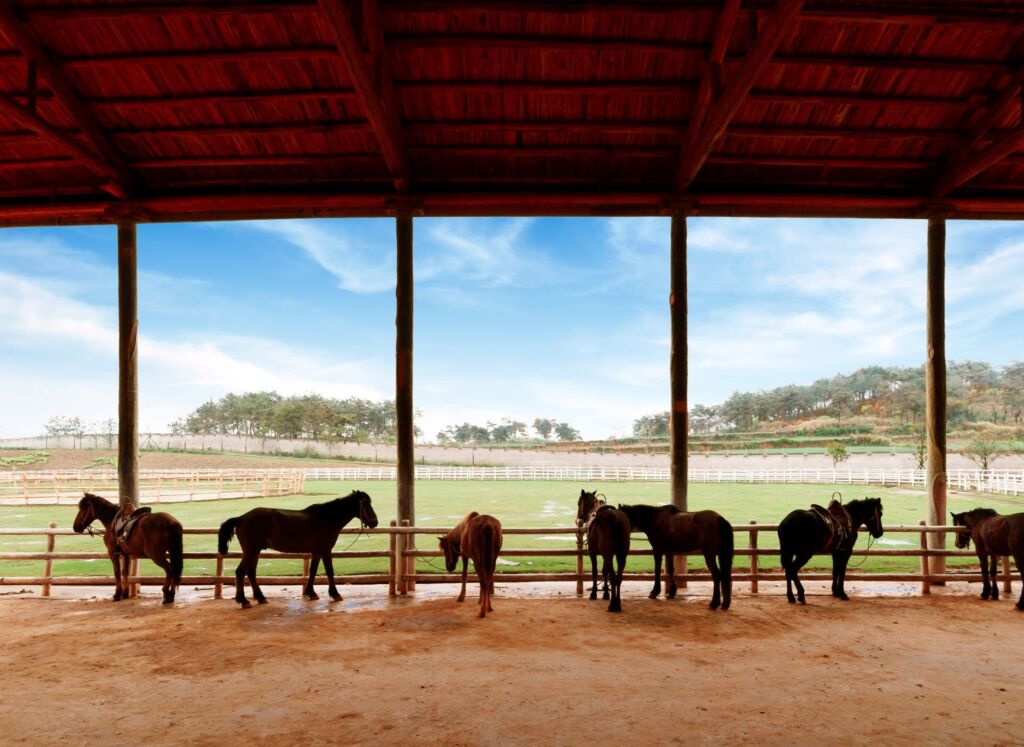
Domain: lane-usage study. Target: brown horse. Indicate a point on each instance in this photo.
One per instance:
(314, 529)
(670, 531)
(993, 535)
(478, 536)
(608, 535)
(154, 536)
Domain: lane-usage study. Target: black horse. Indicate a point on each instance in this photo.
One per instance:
(993, 535)
(670, 531)
(804, 533)
(314, 529)
(608, 535)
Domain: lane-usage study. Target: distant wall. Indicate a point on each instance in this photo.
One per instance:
(513, 457)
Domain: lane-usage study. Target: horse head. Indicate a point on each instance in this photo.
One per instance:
(585, 506)
(873, 522)
(450, 548)
(86, 513)
(963, 536)
(367, 516)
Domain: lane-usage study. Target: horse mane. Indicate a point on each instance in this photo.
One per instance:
(90, 497)
(979, 513)
(336, 504)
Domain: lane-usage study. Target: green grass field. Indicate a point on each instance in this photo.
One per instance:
(517, 504)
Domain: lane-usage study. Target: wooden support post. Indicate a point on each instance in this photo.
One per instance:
(392, 562)
(128, 378)
(579, 561)
(51, 540)
(403, 382)
(935, 389)
(753, 559)
(926, 587)
(678, 364)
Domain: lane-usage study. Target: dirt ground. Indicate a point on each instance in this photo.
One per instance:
(545, 668)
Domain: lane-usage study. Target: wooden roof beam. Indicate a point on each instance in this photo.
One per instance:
(711, 81)
(774, 30)
(957, 173)
(370, 77)
(107, 161)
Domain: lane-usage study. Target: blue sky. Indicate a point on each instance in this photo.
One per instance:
(562, 318)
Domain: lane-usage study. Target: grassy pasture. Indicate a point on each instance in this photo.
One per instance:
(517, 504)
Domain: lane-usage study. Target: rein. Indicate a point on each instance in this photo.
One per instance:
(362, 526)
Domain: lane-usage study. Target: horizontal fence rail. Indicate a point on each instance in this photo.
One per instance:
(989, 481)
(65, 487)
(401, 554)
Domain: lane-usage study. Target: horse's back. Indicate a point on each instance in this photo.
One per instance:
(285, 530)
(474, 530)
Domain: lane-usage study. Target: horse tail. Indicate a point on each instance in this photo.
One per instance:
(227, 530)
(488, 553)
(725, 555)
(174, 549)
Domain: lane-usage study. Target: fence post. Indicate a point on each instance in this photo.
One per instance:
(218, 586)
(579, 561)
(753, 559)
(392, 565)
(403, 585)
(51, 539)
(1007, 585)
(926, 586)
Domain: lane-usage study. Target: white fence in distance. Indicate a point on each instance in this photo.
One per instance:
(65, 487)
(991, 481)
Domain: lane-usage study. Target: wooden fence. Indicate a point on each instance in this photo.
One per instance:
(403, 577)
(990, 481)
(65, 487)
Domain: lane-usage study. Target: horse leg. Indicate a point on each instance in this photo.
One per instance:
(116, 560)
(799, 562)
(593, 573)
(314, 564)
(670, 575)
(986, 587)
(168, 588)
(126, 572)
(656, 591)
(786, 558)
(992, 572)
(716, 579)
(616, 603)
(606, 568)
(465, 570)
(839, 563)
(332, 590)
(240, 583)
(257, 593)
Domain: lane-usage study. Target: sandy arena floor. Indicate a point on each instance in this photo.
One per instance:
(545, 668)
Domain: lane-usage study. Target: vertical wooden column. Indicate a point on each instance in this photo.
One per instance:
(403, 376)
(128, 373)
(678, 425)
(935, 388)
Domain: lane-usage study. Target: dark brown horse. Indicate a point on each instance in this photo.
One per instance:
(608, 535)
(993, 535)
(670, 531)
(154, 536)
(314, 529)
(804, 532)
(477, 537)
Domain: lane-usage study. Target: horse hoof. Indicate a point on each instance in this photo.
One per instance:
(653, 595)
(593, 595)
(614, 608)
(714, 605)
(802, 600)
(725, 605)
(1020, 606)
(336, 597)
(313, 597)
(791, 600)
(983, 597)
(262, 600)
(605, 596)
(844, 598)
(246, 604)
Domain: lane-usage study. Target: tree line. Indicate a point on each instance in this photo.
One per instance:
(310, 416)
(507, 431)
(975, 391)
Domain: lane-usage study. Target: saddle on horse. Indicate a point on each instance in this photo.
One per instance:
(838, 522)
(124, 523)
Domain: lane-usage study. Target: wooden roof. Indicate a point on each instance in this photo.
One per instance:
(192, 110)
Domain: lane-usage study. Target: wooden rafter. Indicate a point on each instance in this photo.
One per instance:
(371, 80)
(106, 161)
(962, 171)
(712, 79)
(774, 29)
